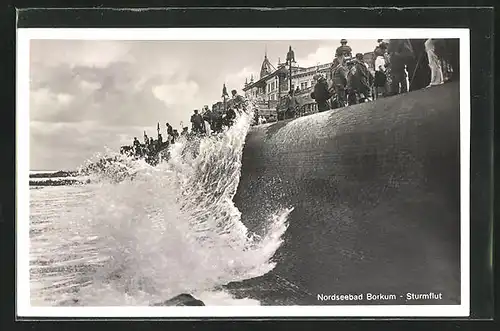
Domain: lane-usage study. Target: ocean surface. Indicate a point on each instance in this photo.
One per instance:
(163, 231)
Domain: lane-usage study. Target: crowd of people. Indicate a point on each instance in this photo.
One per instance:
(149, 148)
(400, 65)
(217, 119)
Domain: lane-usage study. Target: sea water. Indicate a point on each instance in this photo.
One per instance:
(159, 232)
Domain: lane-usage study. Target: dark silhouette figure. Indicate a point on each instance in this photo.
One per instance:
(170, 132)
(230, 117)
(137, 146)
(255, 120)
(198, 125)
(449, 51)
(321, 94)
(343, 50)
(339, 81)
(361, 79)
(401, 56)
(291, 105)
(418, 71)
(237, 100)
(217, 122)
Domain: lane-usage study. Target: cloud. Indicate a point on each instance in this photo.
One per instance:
(323, 54)
(88, 94)
(51, 103)
(236, 80)
(80, 52)
(176, 94)
(90, 86)
(108, 95)
(74, 142)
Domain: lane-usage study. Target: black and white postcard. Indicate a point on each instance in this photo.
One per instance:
(241, 172)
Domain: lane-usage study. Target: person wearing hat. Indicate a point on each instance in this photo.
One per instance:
(229, 116)
(380, 71)
(321, 93)
(401, 56)
(198, 124)
(344, 49)
(238, 100)
(170, 132)
(363, 78)
(291, 105)
(434, 63)
(339, 81)
(381, 47)
(208, 117)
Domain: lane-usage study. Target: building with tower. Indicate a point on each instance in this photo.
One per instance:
(273, 84)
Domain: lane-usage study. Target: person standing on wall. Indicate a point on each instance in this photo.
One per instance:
(339, 81)
(170, 133)
(419, 73)
(291, 105)
(321, 93)
(401, 54)
(198, 125)
(380, 76)
(361, 79)
(343, 50)
(434, 63)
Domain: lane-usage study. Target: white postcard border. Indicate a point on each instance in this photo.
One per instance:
(24, 308)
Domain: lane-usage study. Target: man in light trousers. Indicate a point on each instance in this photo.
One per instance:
(434, 63)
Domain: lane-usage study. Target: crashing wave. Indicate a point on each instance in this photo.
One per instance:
(173, 228)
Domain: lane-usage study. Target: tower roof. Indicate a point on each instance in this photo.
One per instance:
(266, 67)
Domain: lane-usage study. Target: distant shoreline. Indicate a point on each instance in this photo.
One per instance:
(54, 174)
(55, 178)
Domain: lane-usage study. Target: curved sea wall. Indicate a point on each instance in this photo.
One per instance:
(375, 189)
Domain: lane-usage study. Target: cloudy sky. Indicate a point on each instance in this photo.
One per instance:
(85, 95)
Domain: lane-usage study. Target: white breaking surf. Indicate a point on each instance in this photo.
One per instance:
(172, 229)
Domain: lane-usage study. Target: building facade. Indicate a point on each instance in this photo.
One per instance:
(273, 85)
